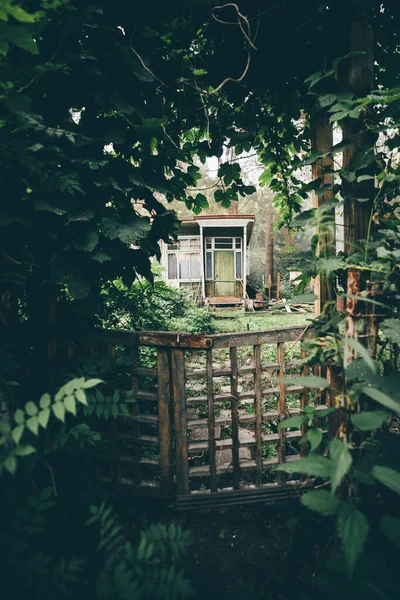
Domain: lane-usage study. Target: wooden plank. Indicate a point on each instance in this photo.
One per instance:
(268, 438)
(243, 396)
(141, 418)
(258, 413)
(235, 418)
(211, 423)
(281, 408)
(179, 399)
(146, 371)
(267, 463)
(265, 367)
(174, 339)
(228, 497)
(135, 431)
(145, 395)
(305, 371)
(255, 338)
(164, 431)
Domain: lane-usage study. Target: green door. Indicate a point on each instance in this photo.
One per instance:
(224, 272)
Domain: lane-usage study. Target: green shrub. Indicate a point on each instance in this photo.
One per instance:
(195, 320)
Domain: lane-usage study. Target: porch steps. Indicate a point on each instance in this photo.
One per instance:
(225, 302)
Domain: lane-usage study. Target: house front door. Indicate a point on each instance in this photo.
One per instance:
(224, 273)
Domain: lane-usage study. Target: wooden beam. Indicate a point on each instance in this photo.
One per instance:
(203, 258)
(359, 77)
(244, 259)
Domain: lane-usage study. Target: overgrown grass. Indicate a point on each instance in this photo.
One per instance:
(238, 321)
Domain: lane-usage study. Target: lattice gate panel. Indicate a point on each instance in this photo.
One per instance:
(234, 401)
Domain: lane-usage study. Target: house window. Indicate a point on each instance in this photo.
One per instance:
(238, 265)
(209, 265)
(223, 243)
(184, 262)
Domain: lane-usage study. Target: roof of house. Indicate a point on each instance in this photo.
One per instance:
(227, 221)
(219, 217)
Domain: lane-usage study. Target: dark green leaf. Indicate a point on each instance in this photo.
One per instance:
(382, 398)
(10, 464)
(388, 477)
(314, 436)
(368, 420)
(353, 531)
(309, 381)
(390, 527)
(313, 464)
(341, 461)
(321, 501)
(292, 422)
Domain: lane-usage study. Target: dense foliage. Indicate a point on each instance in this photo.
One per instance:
(101, 107)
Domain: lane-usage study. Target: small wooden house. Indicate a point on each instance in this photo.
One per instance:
(211, 258)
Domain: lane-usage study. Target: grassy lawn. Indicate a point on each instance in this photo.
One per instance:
(238, 321)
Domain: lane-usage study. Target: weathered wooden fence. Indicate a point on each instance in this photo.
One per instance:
(203, 426)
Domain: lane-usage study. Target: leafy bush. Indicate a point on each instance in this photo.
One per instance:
(46, 488)
(142, 306)
(195, 320)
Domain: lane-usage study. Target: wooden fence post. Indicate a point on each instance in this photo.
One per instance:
(179, 398)
(164, 420)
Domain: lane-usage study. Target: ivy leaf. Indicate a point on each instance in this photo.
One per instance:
(368, 420)
(388, 477)
(33, 425)
(59, 411)
(341, 462)
(81, 396)
(91, 383)
(353, 531)
(313, 464)
(321, 502)
(390, 527)
(10, 464)
(293, 422)
(24, 450)
(19, 416)
(382, 398)
(70, 404)
(17, 433)
(45, 401)
(43, 417)
(31, 408)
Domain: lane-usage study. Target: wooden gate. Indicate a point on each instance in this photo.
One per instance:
(217, 401)
(203, 425)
